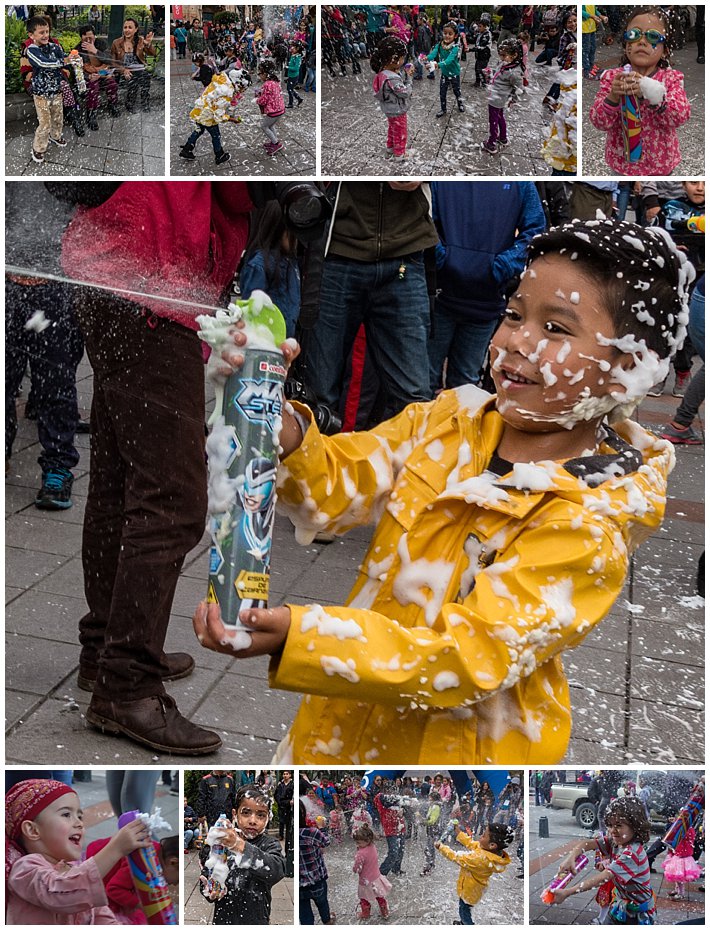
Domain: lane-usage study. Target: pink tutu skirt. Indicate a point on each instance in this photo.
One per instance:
(371, 891)
(681, 869)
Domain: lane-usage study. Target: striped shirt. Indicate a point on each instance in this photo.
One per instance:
(629, 869)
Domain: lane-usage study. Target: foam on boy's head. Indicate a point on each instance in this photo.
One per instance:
(643, 276)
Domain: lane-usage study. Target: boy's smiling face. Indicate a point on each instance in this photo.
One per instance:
(545, 355)
(695, 191)
(41, 35)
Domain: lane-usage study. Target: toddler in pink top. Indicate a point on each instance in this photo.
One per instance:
(270, 99)
(43, 838)
(372, 887)
(646, 74)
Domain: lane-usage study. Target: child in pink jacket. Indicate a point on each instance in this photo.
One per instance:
(271, 103)
(372, 886)
(647, 75)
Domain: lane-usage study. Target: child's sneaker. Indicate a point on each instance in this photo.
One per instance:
(276, 148)
(682, 437)
(61, 141)
(222, 158)
(37, 157)
(389, 152)
(400, 157)
(188, 151)
(460, 105)
(55, 493)
(682, 380)
(503, 143)
(491, 149)
(440, 114)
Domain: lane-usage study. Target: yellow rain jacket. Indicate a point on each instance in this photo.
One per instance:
(473, 585)
(477, 866)
(214, 105)
(560, 147)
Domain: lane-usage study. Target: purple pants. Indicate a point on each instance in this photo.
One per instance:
(92, 91)
(496, 125)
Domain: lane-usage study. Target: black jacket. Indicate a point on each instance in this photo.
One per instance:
(215, 796)
(248, 898)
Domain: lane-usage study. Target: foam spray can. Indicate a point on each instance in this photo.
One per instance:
(148, 880)
(77, 66)
(242, 452)
(557, 884)
(631, 125)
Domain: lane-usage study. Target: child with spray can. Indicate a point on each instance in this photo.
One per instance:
(480, 860)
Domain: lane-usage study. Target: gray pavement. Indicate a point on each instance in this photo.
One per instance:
(545, 855)
(636, 681)
(132, 144)
(417, 900)
(243, 141)
(199, 911)
(354, 131)
(690, 134)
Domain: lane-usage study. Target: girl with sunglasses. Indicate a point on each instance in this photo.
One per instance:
(647, 75)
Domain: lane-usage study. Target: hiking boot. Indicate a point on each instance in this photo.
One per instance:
(682, 437)
(682, 380)
(178, 665)
(187, 151)
(222, 158)
(55, 493)
(153, 721)
(91, 121)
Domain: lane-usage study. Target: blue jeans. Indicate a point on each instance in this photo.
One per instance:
(291, 88)
(589, 50)
(465, 913)
(187, 837)
(454, 82)
(696, 326)
(394, 307)
(395, 853)
(464, 344)
(53, 355)
(310, 83)
(131, 790)
(318, 894)
(214, 135)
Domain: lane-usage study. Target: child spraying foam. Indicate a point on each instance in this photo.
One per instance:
(480, 860)
(504, 524)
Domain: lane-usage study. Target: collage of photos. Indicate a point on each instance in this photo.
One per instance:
(354, 464)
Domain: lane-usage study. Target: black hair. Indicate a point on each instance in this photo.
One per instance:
(87, 27)
(34, 22)
(267, 66)
(302, 813)
(266, 230)
(566, 18)
(170, 847)
(514, 48)
(254, 793)
(136, 35)
(450, 25)
(634, 267)
(634, 813)
(388, 50)
(665, 61)
(501, 834)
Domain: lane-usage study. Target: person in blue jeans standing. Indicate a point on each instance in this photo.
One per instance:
(484, 229)
(374, 274)
(312, 873)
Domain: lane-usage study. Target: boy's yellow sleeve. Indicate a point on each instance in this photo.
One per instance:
(555, 583)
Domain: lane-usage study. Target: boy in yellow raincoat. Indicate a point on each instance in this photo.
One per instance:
(481, 859)
(216, 105)
(504, 524)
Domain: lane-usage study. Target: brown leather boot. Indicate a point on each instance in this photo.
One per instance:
(153, 721)
(179, 665)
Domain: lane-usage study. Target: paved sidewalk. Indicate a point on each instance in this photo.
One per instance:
(354, 131)
(544, 860)
(636, 682)
(133, 144)
(198, 909)
(244, 141)
(691, 134)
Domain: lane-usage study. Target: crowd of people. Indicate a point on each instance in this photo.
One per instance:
(401, 43)
(228, 823)
(229, 56)
(418, 817)
(66, 86)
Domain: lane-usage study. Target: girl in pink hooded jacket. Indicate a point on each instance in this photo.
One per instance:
(372, 886)
(271, 103)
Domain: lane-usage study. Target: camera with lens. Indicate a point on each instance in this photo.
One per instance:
(327, 422)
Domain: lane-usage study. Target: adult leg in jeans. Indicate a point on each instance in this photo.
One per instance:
(468, 352)
(139, 522)
(397, 328)
(390, 859)
(443, 328)
(130, 790)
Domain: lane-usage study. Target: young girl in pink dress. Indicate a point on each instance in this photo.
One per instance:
(43, 840)
(372, 887)
(679, 865)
